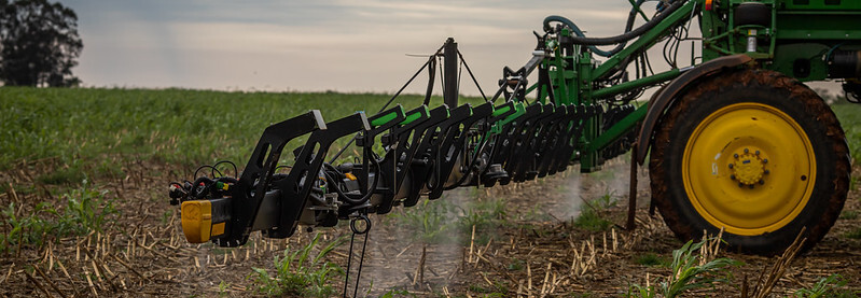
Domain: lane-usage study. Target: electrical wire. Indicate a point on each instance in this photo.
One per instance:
(204, 167)
(364, 198)
(235, 170)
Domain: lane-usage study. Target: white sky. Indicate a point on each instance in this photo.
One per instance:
(348, 46)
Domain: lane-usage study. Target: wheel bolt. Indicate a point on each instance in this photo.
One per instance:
(730, 166)
(761, 182)
(765, 160)
(757, 152)
(766, 172)
(732, 177)
(740, 184)
(746, 150)
(735, 155)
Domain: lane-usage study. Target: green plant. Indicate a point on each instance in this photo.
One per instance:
(854, 234)
(591, 213)
(516, 264)
(397, 293)
(498, 289)
(687, 274)
(299, 275)
(589, 219)
(165, 217)
(826, 287)
(431, 222)
(849, 214)
(651, 259)
(87, 209)
(485, 216)
(536, 213)
(24, 229)
(222, 289)
(63, 176)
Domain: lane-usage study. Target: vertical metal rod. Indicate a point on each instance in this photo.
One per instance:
(450, 75)
(349, 261)
(361, 261)
(632, 195)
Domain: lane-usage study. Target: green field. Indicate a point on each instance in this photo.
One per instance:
(127, 144)
(850, 118)
(89, 129)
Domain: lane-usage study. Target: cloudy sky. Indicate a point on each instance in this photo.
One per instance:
(350, 46)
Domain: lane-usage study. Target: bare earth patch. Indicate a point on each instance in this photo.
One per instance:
(531, 247)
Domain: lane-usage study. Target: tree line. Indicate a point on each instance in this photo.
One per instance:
(39, 44)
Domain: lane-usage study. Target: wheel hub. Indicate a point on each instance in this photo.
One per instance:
(754, 144)
(748, 168)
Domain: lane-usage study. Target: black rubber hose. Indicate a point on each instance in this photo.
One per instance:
(581, 39)
(603, 41)
(364, 198)
(632, 16)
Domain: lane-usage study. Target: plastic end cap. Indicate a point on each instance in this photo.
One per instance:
(196, 220)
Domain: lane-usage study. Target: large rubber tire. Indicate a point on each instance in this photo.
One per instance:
(804, 185)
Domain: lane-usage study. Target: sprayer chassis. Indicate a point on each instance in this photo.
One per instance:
(581, 111)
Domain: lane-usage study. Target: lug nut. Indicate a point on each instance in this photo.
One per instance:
(740, 184)
(735, 155)
(766, 172)
(751, 186)
(761, 182)
(765, 160)
(746, 150)
(730, 166)
(732, 177)
(757, 152)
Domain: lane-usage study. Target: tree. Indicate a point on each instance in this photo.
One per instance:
(39, 44)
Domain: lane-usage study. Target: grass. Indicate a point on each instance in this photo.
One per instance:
(79, 128)
(87, 209)
(651, 259)
(850, 118)
(849, 214)
(429, 222)
(299, 274)
(441, 221)
(398, 293)
(172, 125)
(592, 213)
(854, 233)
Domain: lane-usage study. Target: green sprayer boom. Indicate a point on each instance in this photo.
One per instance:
(734, 140)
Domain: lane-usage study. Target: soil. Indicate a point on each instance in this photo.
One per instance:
(533, 248)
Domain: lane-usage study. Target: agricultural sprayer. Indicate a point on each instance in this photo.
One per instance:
(734, 139)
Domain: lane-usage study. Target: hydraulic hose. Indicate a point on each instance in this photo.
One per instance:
(364, 198)
(581, 39)
(628, 26)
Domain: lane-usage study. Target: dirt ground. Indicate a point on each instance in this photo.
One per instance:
(536, 252)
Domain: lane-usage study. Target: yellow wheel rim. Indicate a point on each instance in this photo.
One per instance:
(749, 168)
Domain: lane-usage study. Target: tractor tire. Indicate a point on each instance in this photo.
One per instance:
(754, 152)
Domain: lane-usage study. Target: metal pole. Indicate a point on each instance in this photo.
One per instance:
(450, 73)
